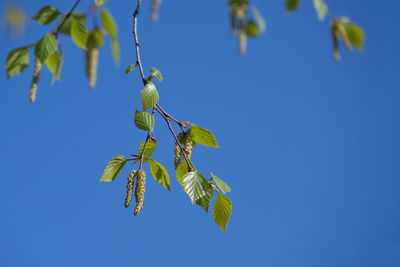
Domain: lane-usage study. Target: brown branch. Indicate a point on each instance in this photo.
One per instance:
(137, 45)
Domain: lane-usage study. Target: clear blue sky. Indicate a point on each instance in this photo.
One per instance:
(310, 147)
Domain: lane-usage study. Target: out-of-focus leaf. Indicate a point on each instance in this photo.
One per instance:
(252, 29)
(261, 24)
(46, 15)
(66, 27)
(355, 35)
(108, 23)
(46, 47)
(292, 5)
(321, 8)
(79, 34)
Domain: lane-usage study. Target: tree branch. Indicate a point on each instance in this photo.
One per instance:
(65, 19)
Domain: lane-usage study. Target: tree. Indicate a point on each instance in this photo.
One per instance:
(244, 24)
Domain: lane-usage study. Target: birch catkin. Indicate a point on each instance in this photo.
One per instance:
(129, 188)
(35, 80)
(189, 145)
(139, 191)
(177, 150)
(92, 60)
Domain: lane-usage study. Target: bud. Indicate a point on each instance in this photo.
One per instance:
(129, 188)
(35, 80)
(139, 191)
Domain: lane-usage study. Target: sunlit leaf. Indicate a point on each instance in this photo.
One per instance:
(108, 23)
(195, 185)
(204, 202)
(222, 211)
(159, 173)
(355, 35)
(321, 8)
(149, 96)
(79, 34)
(157, 73)
(150, 147)
(203, 136)
(144, 121)
(221, 184)
(113, 169)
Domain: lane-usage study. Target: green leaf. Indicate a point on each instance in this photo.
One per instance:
(181, 171)
(144, 121)
(94, 39)
(79, 34)
(355, 35)
(261, 24)
(113, 169)
(252, 29)
(46, 47)
(57, 71)
(108, 23)
(321, 8)
(156, 73)
(66, 27)
(51, 62)
(115, 49)
(17, 60)
(149, 96)
(203, 136)
(159, 173)
(150, 147)
(222, 211)
(291, 5)
(204, 202)
(46, 15)
(221, 184)
(130, 68)
(99, 3)
(195, 185)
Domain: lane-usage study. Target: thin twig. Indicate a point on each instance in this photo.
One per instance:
(65, 19)
(137, 45)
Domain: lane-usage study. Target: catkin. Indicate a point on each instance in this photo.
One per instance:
(129, 188)
(189, 145)
(155, 5)
(177, 150)
(35, 80)
(92, 60)
(139, 191)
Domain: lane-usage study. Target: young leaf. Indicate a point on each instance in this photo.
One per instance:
(51, 62)
(204, 202)
(252, 29)
(46, 15)
(57, 71)
(99, 3)
(203, 136)
(17, 61)
(259, 19)
(181, 171)
(159, 173)
(79, 34)
(195, 185)
(222, 211)
(150, 147)
(66, 27)
(108, 23)
(113, 169)
(156, 73)
(130, 68)
(291, 5)
(46, 47)
(149, 96)
(355, 35)
(221, 184)
(321, 8)
(144, 121)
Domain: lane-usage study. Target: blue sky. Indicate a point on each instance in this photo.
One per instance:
(310, 147)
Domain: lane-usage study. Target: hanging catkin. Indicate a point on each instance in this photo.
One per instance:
(92, 59)
(35, 80)
(177, 150)
(189, 144)
(139, 191)
(155, 5)
(129, 188)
